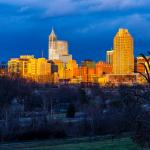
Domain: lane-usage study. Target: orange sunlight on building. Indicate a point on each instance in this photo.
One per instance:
(123, 57)
(103, 68)
(28, 67)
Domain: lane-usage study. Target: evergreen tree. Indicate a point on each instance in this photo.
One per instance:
(71, 111)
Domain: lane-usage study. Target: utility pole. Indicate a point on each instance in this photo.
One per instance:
(65, 73)
(87, 76)
(51, 108)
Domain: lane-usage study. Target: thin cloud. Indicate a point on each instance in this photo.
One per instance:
(66, 7)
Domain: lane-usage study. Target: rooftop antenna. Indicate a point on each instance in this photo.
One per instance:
(52, 29)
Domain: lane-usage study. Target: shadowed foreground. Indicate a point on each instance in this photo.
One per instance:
(117, 144)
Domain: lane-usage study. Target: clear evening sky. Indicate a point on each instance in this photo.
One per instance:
(88, 25)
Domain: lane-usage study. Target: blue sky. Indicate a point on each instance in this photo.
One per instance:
(88, 25)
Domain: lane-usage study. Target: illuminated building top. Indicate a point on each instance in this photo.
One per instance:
(58, 50)
(123, 57)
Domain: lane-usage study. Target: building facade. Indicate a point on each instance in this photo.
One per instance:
(123, 57)
(103, 68)
(58, 50)
(109, 57)
(28, 67)
(19, 66)
(88, 71)
(52, 47)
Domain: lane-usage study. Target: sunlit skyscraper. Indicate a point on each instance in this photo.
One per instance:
(58, 49)
(123, 57)
(52, 47)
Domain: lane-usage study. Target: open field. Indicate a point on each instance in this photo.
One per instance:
(117, 144)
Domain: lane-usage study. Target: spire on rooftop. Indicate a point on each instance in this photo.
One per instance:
(53, 36)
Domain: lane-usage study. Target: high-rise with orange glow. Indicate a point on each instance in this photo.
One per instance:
(123, 57)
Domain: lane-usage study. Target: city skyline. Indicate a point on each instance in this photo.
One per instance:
(45, 53)
(75, 74)
(25, 26)
(60, 67)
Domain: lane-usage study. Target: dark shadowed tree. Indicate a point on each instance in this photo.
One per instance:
(147, 68)
(71, 111)
(82, 96)
(131, 98)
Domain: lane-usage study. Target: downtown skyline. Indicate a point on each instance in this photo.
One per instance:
(25, 27)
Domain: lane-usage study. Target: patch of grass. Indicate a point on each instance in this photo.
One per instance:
(117, 144)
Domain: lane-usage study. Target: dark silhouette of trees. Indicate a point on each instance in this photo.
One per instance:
(142, 133)
(82, 96)
(101, 110)
(71, 111)
(147, 68)
(131, 98)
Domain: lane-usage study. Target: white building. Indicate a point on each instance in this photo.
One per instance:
(58, 50)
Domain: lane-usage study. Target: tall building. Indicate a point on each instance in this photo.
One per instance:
(53, 53)
(109, 57)
(58, 50)
(123, 57)
(62, 47)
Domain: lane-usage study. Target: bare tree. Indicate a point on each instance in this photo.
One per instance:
(147, 68)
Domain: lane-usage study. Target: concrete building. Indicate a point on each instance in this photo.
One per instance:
(28, 67)
(39, 70)
(72, 70)
(43, 70)
(103, 68)
(109, 57)
(60, 70)
(88, 71)
(19, 66)
(123, 57)
(52, 50)
(58, 50)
